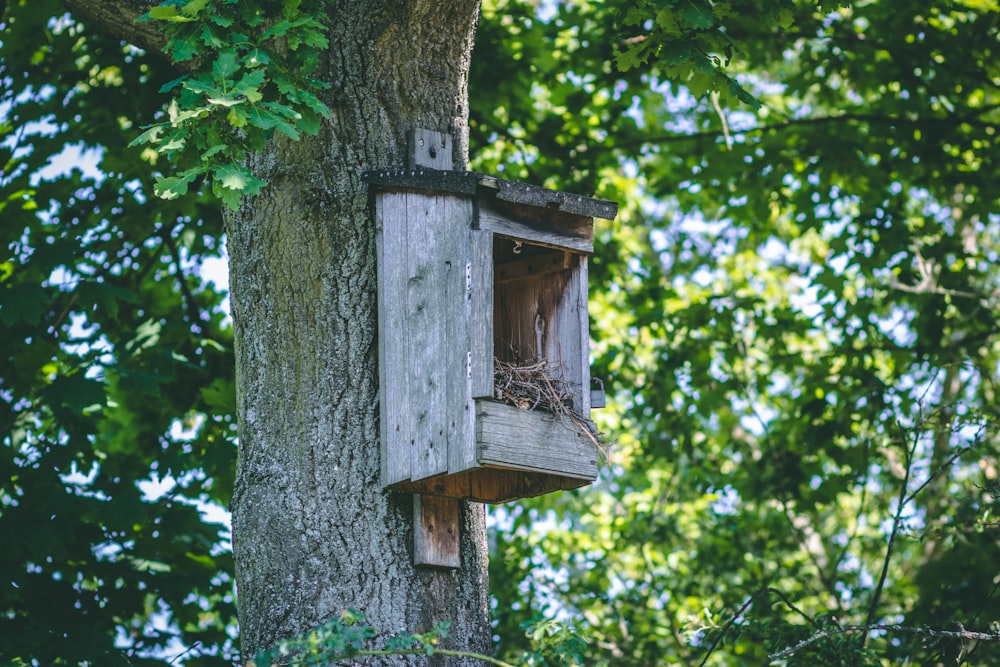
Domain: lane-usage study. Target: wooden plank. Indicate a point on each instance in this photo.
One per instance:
(545, 202)
(570, 339)
(532, 440)
(481, 312)
(435, 180)
(544, 264)
(458, 296)
(492, 485)
(429, 262)
(391, 248)
(551, 229)
(582, 277)
(430, 149)
(532, 195)
(436, 532)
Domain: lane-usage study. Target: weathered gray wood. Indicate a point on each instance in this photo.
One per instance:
(481, 276)
(393, 341)
(532, 195)
(481, 312)
(430, 266)
(487, 187)
(435, 532)
(455, 182)
(572, 343)
(578, 237)
(430, 149)
(598, 397)
(531, 440)
(460, 409)
(536, 266)
(582, 276)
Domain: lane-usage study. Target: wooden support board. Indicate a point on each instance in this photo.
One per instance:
(531, 440)
(435, 280)
(435, 532)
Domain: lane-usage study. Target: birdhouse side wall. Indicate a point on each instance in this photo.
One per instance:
(425, 333)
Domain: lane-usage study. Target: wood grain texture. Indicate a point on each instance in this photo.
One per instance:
(481, 312)
(530, 440)
(492, 485)
(489, 188)
(436, 532)
(313, 531)
(431, 266)
(430, 150)
(391, 240)
(572, 238)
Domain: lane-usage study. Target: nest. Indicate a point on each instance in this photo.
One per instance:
(532, 386)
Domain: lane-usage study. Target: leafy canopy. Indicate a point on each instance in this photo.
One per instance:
(795, 311)
(252, 65)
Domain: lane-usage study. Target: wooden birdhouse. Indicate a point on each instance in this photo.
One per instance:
(479, 276)
(482, 292)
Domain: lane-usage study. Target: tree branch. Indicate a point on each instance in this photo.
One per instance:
(118, 17)
(961, 633)
(874, 119)
(897, 520)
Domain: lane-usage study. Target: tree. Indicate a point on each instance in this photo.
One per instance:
(795, 312)
(116, 367)
(801, 324)
(313, 535)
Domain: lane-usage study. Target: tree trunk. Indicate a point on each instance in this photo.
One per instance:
(313, 533)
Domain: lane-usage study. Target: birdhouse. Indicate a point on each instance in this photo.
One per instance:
(483, 335)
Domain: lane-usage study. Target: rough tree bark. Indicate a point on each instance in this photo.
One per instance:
(313, 534)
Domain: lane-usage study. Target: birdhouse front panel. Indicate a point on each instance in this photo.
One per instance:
(483, 335)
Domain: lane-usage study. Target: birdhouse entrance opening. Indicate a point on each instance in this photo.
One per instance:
(539, 323)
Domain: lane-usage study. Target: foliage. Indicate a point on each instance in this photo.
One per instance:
(795, 312)
(252, 75)
(115, 369)
(689, 41)
(350, 636)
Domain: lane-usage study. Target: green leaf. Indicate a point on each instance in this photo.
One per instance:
(250, 85)
(214, 150)
(220, 396)
(168, 13)
(193, 8)
(105, 296)
(185, 49)
(75, 392)
(226, 65)
(698, 16)
(227, 101)
(233, 176)
(171, 187)
(25, 302)
(150, 136)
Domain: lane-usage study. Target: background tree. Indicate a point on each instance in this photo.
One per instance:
(799, 315)
(796, 313)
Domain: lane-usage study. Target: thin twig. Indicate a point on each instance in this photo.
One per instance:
(530, 385)
(897, 520)
(961, 633)
(746, 605)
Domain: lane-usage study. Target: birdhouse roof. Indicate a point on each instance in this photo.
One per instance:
(481, 185)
